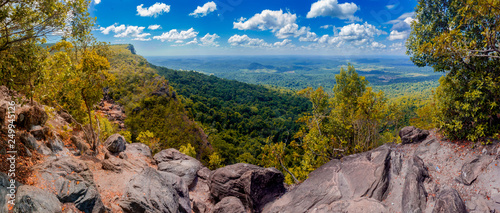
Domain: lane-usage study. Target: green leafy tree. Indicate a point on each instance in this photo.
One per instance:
(461, 39)
(149, 139)
(216, 161)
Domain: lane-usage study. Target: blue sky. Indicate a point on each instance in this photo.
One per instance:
(251, 27)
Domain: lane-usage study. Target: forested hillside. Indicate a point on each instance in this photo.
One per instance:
(238, 117)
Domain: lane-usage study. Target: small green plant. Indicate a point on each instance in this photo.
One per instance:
(149, 139)
(188, 150)
(127, 135)
(215, 161)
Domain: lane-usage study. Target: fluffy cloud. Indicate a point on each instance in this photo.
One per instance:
(376, 45)
(281, 24)
(209, 40)
(194, 41)
(284, 43)
(174, 35)
(359, 33)
(154, 27)
(245, 41)
(401, 26)
(266, 20)
(333, 9)
(396, 35)
(397, 46)
(310, 36)
(204, 10)
(115, 29)
(390, 6)
(97, 1)
(122, 31)
(155, 10)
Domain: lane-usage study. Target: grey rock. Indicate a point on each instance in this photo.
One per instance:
(396, 163)
(150, 192)
(80, 144)
(181, 188)
(55, 144)
(414, 196)
(113, 164)
(72, 182)
(171, 160)
(29, 141)
(449, 201)
(4, 191)
(115, 143)
(39, 132)
(30, 199)
(229, 204)
(361, 175)
(359, 205)
(471, 169)
(253, 185)
(410, 134)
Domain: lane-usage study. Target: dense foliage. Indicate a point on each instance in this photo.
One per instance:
(461, 39)
(155, 115)
(238, 117)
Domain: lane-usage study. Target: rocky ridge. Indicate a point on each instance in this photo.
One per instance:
(425, 174)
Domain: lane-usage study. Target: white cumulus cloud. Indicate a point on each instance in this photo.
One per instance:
(154, 10)
(204, 10)
(310, 36)
(284, 43)
(245, 41)
(266, 20)
(359, 33)
(174, 35)
(332, 8)
(376, 45)
(396, 35)
(209, 40)
(97, 1)
(112, 28)
(122, 31)
(154, 27)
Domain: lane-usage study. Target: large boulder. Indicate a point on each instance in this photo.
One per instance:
(150, 192)
(359, 205)
(415, 196)
(30, 199)
(449, 201)
(410, 134)
(171, 160)
(80, 144)
(138, 154)
(229, 204)
(30, 116)
(115, 144)
(72, 181)
(201, 201)
(253, 185)
(471, 169)
(352, 177)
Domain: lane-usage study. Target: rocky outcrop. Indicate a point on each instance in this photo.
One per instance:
(150, 191)
(415, 196)
(71, 181)
(470, 170)
(171, 160)
(410, 134)
(449, 201)
(253, 185)
(229, 204)
(115, 144)
(199, 194)
(35, 200)
(359, 205)
(352, 177)
(29, 116)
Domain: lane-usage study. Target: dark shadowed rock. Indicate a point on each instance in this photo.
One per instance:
(149, 191)
(4, 183)
(253, 185)
(30, 199)
(471, 169)
(29, 141)
(396, 163)
(229, 204)
(352, 177)
(73, 182)
(410, 134)
(39, 132)
(30, 116)
(181, 188)
(449, 201)
(171, 160)
(3, 114)
(415, 196)
(115, 144)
